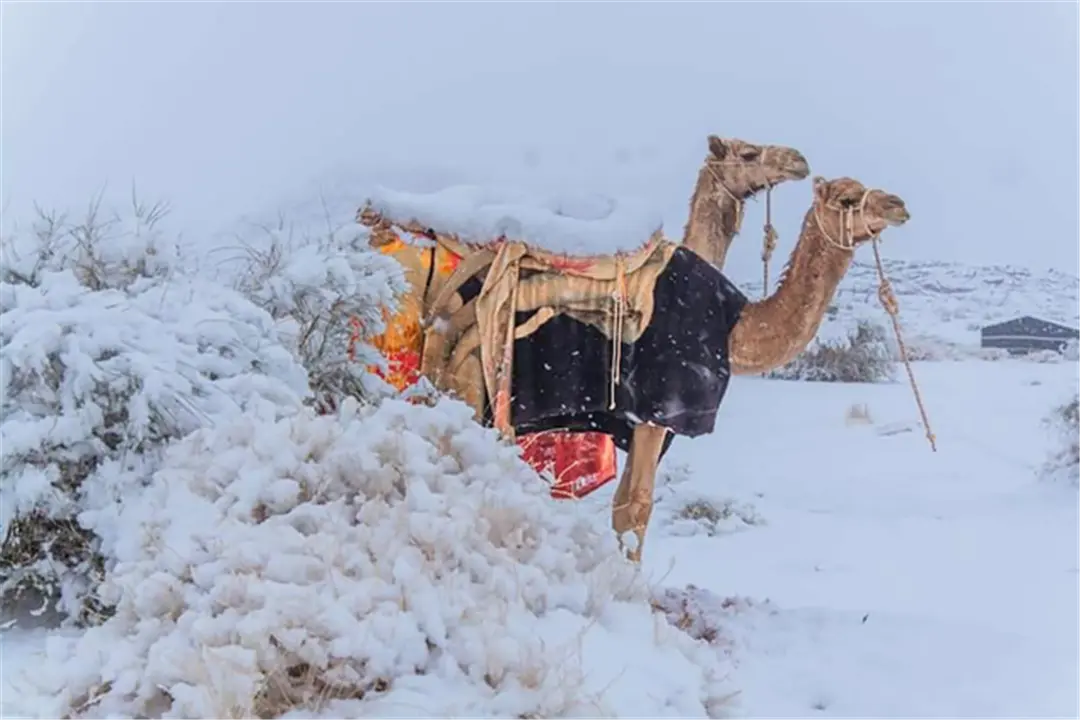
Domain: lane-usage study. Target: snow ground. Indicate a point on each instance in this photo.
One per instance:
(888, 580)
(962, 562)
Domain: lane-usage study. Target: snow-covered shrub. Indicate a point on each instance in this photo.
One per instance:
(330, 294)
(1071, 351)
(103, 249)
(1064, 464)
(106, 355)
(712, 517)
(992, 354)
(683, 510)
(1043, 356)
(863, 356)
(384, 560)
(702, 614)
(923, 349)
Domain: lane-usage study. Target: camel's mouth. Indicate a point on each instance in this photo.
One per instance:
(893, 211)
(788, 163)
(799, 169)
(897, 217)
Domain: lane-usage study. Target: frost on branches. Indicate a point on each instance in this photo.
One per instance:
(108, 350)
(328, 292)
(391, 560)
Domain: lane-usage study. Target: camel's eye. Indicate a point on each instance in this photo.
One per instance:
(749, 154)
(847, 202)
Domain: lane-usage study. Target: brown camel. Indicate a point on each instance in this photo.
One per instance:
(733, 172)
(639, 346)
(770, 333)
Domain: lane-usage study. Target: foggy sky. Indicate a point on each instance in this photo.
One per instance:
(968, 111)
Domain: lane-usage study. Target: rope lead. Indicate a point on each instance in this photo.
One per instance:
(892, 307)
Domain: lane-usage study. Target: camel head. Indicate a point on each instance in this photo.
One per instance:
(748, 168)
(849, 213)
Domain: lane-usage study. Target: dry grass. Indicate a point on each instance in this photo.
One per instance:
(35, 541)
(694, 611)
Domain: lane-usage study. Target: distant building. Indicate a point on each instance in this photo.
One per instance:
(1028, 334)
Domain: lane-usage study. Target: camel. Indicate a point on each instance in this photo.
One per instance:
(733, 172)
(638, 346)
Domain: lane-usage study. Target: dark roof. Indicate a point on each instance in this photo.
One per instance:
(1030, 325)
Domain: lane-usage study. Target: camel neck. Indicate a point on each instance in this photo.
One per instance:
(714, 221)
(771, 332)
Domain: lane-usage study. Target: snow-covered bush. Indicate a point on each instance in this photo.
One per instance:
(330, 294)
(924, 348)
(1044, 356)
(1071, 351)
(109, 350)
(103, 249)
(863, 356)
(682, 510)
(702, 614)
(1065, 462)
(713, 517)
(992, 354)
(384, 560)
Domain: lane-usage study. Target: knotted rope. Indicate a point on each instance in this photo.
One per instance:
(886, 296)
(768, 243)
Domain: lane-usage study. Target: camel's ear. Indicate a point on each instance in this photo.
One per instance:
(821, 186)
(717, 147)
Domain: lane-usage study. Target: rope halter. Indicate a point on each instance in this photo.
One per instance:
(740, 203)
(846, 241)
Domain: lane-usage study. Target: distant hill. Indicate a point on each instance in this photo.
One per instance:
(950, 301)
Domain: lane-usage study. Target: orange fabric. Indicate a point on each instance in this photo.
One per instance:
(579, 462)
(401, 342)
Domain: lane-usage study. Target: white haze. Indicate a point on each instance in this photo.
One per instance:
(968, 111)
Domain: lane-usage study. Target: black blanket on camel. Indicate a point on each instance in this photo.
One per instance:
(674, 375)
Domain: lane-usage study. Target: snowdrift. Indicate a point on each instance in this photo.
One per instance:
(397, 560)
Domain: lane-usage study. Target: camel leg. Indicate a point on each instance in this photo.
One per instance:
(634, 497)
